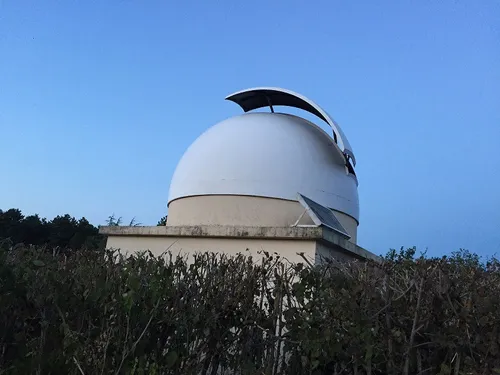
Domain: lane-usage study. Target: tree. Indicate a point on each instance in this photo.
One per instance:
(134, 223)
(10, 221)
(113, 221)
(35, 231)
(163, 221)
(116, 222)
(63, 231)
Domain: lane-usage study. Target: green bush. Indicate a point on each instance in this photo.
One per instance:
(100, 313)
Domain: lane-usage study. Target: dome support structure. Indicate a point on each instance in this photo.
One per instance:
(270, 104)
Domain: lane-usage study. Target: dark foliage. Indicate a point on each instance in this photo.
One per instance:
(100, 313)
(63, 232)
(162, 221)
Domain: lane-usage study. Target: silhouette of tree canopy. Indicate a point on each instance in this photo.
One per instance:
(162, 221)
(63, 231)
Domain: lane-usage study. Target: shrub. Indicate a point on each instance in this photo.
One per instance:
(101, 313)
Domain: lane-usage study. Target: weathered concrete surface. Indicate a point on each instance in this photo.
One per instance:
(326, 237)
(338, 243)
(218, 231)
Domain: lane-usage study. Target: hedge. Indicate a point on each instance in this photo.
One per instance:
(101, 313)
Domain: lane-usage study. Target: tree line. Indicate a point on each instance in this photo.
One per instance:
(63, 231)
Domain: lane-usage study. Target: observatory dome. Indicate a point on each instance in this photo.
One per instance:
(270, 155)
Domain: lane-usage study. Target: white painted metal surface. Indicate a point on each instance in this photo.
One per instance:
(291, 99)
(268, 155)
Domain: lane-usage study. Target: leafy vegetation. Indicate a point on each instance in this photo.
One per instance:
(62, 232)
(162, 221)
(100, 313)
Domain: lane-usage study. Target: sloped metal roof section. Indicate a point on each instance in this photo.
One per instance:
(260, 97)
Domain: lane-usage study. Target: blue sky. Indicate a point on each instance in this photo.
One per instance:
(99, 100)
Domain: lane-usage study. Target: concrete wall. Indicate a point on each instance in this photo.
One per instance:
(230, 246)
(327, 252)
(244, 211)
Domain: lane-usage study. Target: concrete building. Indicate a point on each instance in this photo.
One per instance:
(260, 181)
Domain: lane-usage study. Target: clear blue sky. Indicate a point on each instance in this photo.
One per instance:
(99, 99)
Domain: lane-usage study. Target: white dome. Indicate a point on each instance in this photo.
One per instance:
(271, 155)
